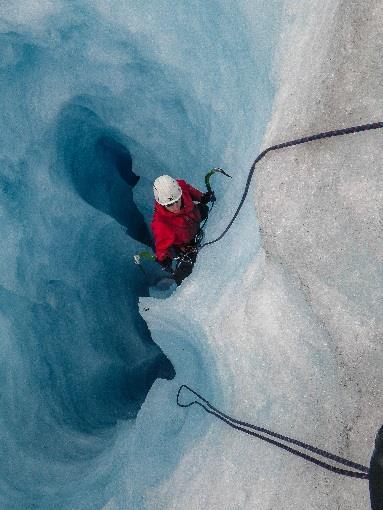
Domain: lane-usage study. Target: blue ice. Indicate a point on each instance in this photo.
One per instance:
(96, 100)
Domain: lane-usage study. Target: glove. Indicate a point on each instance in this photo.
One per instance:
(207, 197)
(166, 264)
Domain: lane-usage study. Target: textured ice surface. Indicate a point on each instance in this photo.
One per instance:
(93, 96)
(279, 327)
(294, 341)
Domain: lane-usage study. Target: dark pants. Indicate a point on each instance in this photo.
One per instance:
(185, 266)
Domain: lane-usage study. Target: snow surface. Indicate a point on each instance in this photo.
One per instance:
(279, 323)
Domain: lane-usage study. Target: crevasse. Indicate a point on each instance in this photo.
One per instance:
(97, 99)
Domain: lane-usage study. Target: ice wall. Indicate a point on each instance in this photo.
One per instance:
(292, 341)
(95, 95)
(98, 98)
(320, 213)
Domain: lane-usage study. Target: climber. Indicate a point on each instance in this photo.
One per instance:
(176, 222)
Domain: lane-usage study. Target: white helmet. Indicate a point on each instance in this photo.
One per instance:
(166, 190)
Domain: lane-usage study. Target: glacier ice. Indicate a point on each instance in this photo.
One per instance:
(98, 98)
(295, 338)
(279, 323)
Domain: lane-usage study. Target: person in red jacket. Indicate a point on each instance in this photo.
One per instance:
(176, 222)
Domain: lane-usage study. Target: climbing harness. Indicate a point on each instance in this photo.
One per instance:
(262, 433)
(318, 136)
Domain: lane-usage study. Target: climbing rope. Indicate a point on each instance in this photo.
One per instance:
(319, 136)
(361, 471)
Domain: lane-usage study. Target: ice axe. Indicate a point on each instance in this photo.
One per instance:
(143, 255)
(210, 173)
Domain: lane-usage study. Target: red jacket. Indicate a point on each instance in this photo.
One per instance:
(176, 228)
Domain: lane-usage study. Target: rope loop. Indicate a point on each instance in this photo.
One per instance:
(361, 471)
